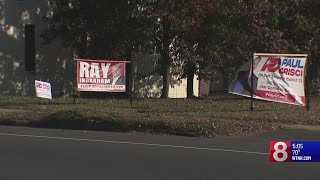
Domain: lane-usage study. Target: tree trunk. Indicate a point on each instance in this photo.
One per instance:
(191, 68)
(165, 82)
(165, 58)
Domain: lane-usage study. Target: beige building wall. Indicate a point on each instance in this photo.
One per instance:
(149, 85)
(146, 83)
(179, 90)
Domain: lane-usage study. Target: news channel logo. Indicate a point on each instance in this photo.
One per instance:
(294, 151)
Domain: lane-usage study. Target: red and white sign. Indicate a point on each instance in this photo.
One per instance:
(279, 78)
(101, 75)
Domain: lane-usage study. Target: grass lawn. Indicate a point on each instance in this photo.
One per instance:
(221, 115)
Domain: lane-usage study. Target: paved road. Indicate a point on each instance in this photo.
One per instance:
(47, 154)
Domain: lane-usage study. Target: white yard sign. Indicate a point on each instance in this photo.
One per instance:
(43, 89)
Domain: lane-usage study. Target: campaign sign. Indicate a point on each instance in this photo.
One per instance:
(293, 151)
(43, 89)
(101, 75)
(273, 77)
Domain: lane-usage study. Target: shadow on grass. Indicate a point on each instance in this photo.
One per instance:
(74, 120)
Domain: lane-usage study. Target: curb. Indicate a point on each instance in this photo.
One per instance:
(300, 126)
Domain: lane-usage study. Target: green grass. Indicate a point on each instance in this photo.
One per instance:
(217, 115)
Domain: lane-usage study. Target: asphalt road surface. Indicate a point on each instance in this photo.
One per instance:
(48, 154)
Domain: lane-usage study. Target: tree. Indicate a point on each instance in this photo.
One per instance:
(184, 47)
(187, 34)
(225, 34)
(96, 29)
(169, 21)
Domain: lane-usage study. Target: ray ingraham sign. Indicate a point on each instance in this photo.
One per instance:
(101, 75)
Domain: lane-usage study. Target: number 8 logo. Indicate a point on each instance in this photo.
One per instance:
(280, 151)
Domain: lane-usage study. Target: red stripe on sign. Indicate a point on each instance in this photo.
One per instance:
(275, 96)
